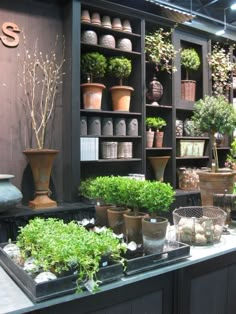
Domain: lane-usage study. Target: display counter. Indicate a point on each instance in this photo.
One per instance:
(204, 283)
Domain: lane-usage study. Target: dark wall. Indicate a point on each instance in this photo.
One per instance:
(42, 21)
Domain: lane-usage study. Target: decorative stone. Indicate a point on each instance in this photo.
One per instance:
(45, 276)
(83, 126)
(119, 127)
(94, 126)
(89, 37)
(107, 126)
(107, 41)
(132, 127)
(124, 44)
(10, 196)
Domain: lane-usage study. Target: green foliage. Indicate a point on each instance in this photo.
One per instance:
(231, 157)
(119, 67)
(156, 196)
(155, 123)
(190, 60)
(214, 114)
(59, 247)
(160, 50)
(93, 65)
(221, 68)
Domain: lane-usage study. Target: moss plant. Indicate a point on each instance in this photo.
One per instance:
(190, 60)
(93, 65)
(119, 67)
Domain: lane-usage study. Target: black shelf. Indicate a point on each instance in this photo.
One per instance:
(192, 137)
(192, 158)
(112, 160)
(92, 47)
(158, 148)
(110, 113)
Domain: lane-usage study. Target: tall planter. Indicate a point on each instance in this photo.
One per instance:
(133, 226)
(116, 219)
(121, 96)
(92, 95)
(158, 139)
(41, 161)
(159, 164)
(215, 182)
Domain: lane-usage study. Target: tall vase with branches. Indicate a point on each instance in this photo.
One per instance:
(41, 76)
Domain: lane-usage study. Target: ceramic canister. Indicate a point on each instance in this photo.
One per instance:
(107, 41)
(119, 127)
(124, 44)
(89, 37)
(94, 126)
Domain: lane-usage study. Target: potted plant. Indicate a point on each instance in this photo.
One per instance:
(156, 197)
(93, 66)
(45, 243)
(214, 114)
(121, 68)
(190, 61)
(154, 125)
(41, 76)
(222, 67)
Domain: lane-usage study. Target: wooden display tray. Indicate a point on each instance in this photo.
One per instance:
(38, 292)
(172, 252)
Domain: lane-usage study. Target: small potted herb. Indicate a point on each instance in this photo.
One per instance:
(120, 68)
(93, 66)
(190, 61)
(154, 125)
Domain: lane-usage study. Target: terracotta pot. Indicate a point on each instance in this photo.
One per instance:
(188, 90)
(121, 97)
(96, 19)
(116, 219)
(215, 182)
(116, 23)
(126, 26)
(149, 139)
(133, 226)
(41, 161)
(158, 139)
(154, 234)
(92, 95)
(106, 21)
(159, 164)
(101, 215)
(85, 16)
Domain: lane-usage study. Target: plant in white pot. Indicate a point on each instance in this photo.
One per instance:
(93, 66)
(154, 125)
(214, 114)
(156, 197)
(190, 61)
(120, 68)
(40, 79)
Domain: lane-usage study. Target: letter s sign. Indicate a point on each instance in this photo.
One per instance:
(11, 39)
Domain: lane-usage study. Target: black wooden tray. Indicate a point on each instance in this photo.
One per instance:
(38, 292)
(172, 252)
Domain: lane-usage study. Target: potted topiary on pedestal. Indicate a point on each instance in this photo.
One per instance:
(120, 67)
(190, 61)
(214, 114)
(93, 66)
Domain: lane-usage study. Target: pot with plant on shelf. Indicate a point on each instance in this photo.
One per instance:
(159, 51)
(154, 125)
(120, 68)
(42, 76)
(214, 114)
(190, 61)
(93, 66)
(156, 197)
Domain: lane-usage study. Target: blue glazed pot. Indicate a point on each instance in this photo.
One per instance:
(10, 196)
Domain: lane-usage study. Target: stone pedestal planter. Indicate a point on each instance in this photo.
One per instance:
(94, 126)
(107, 126)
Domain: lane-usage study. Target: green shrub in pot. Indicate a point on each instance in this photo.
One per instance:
(190, 60)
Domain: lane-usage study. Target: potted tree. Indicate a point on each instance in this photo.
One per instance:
(41, 76)
(156, 197)
(120, 67)
(154, 125)
(190, 61)
(93, 66)
(214, 114)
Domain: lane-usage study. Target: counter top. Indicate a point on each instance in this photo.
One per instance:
(13, 300)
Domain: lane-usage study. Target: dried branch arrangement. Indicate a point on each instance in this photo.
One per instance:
(40, 78)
